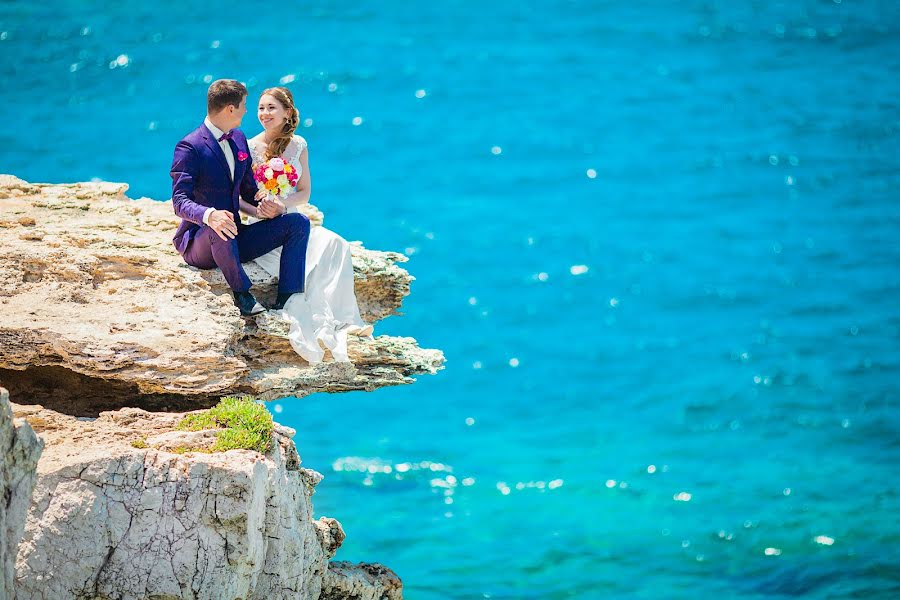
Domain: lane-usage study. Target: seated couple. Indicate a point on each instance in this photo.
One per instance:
(213, 182)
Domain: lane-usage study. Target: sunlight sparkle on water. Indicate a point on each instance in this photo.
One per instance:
(773, 552)
(121, 61)
(578, 269)
(682, 497)
(824, 540)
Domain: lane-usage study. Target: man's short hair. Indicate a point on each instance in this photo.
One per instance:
(222, 93)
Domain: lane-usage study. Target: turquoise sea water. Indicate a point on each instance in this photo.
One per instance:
(657, 241)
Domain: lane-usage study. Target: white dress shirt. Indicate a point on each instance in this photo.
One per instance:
(229, 157)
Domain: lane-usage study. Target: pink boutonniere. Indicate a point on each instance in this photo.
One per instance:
(242, 156)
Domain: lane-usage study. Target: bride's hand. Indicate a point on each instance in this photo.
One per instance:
(269, 209)
(260, 195)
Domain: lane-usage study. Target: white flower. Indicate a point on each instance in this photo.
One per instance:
(270, 173)
(282, 180)
(277, 164)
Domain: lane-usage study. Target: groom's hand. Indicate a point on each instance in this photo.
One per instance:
(222, 222)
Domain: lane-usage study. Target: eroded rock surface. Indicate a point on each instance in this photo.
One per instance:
(19, 452)
(361, 581)
(110, 520)
(97, 310)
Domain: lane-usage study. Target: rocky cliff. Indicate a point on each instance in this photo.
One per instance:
(105, 334)
(98, 311)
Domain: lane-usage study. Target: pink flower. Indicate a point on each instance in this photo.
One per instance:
(242, 156)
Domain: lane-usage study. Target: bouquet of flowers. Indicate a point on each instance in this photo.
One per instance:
(275, 176)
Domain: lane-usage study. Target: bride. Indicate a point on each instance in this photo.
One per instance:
(327, 312)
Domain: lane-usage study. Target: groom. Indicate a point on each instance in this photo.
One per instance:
(211, 182)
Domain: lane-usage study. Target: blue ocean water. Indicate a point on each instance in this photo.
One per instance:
(659, 243)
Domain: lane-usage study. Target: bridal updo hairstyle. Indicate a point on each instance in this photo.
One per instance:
(284, 97)
(222, 93)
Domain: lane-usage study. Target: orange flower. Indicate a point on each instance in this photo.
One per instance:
(271, 184)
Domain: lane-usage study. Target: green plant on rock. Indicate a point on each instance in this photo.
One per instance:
(245, 424)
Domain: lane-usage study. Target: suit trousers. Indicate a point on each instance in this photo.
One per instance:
(290, 231)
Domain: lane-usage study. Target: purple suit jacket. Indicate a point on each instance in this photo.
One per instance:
(201, 179)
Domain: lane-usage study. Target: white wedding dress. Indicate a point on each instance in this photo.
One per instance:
(327, 312)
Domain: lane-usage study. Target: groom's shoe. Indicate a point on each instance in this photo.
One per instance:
(247, 304)
(281, 300)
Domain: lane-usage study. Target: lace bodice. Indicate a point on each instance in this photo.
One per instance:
(294, 150)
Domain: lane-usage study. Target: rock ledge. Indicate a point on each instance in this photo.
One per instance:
(98, 311)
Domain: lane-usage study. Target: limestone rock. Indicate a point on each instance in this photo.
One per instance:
(331, 535)
(109, 520)
(19, 452)
(97, 306)
(363, 581)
